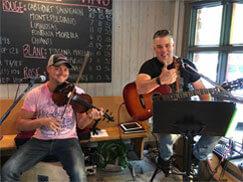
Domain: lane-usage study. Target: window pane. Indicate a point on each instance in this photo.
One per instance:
(208, 25)
(237, 26)
(235, 66)
(235, 71)
(206, 64)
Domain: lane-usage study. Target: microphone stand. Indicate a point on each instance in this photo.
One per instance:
(31, 83)
(230, 96)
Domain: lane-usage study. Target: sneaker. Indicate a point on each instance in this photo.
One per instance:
(165, 166)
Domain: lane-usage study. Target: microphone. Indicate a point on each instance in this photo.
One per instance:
(40, 78)
(179, 61)
(183, 64)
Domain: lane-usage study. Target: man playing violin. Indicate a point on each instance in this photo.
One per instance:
(54, 135)
(161, 70)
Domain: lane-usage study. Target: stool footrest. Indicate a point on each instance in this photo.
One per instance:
(178, 172)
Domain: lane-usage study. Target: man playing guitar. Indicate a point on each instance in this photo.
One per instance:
(164, 69)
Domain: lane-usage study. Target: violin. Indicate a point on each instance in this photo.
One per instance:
(80, 102)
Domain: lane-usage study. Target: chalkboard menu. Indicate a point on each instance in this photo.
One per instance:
(32, 30)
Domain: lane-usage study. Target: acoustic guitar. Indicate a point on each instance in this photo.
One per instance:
(140, 106)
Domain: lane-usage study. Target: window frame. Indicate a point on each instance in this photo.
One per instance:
(224, 47)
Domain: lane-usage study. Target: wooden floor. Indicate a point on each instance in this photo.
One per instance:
(143, 171)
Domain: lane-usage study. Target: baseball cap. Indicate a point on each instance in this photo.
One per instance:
(58, 59)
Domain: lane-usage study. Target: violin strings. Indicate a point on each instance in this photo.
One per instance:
(76, 83)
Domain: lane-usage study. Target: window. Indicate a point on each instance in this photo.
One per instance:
(236, 27)
(202, 60)
(205, 20)
(215, 44)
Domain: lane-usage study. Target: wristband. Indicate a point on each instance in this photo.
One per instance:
(158, 80)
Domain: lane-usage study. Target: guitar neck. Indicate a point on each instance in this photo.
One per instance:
(184, 95)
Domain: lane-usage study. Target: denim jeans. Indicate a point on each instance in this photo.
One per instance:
(68, 151)
(201, 149)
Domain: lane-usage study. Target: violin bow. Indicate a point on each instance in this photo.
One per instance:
(76, 83)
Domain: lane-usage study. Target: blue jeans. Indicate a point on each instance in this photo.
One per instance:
(201, 149)
(68, 151)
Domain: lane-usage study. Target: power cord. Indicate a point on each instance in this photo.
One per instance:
(221, 161)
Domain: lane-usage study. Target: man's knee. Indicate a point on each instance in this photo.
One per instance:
(10, 173)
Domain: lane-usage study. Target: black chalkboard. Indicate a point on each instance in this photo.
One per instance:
(32, 30)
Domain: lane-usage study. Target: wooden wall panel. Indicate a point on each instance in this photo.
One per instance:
(133, 25)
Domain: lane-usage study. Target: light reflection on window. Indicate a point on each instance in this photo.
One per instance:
(237, 26)
(208, 25)
(235, 66)
(234, 72)
(206, 64)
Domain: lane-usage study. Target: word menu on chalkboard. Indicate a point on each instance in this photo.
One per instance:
(32, 30)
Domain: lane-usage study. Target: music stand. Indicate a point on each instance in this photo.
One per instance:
(191, 118)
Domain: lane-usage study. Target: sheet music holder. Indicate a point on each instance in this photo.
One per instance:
(176, 116)
(190, 118)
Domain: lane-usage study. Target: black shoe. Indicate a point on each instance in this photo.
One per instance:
(194, 167)
(165, 166)
(195, 161)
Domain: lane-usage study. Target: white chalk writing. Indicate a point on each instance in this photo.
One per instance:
(34, 52)
(13, 6)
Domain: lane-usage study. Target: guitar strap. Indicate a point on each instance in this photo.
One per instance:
(177, 86)
(177, 65)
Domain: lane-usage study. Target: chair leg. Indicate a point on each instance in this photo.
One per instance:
(154, 174)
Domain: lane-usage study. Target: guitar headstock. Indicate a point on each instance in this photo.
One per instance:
(233, 85)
